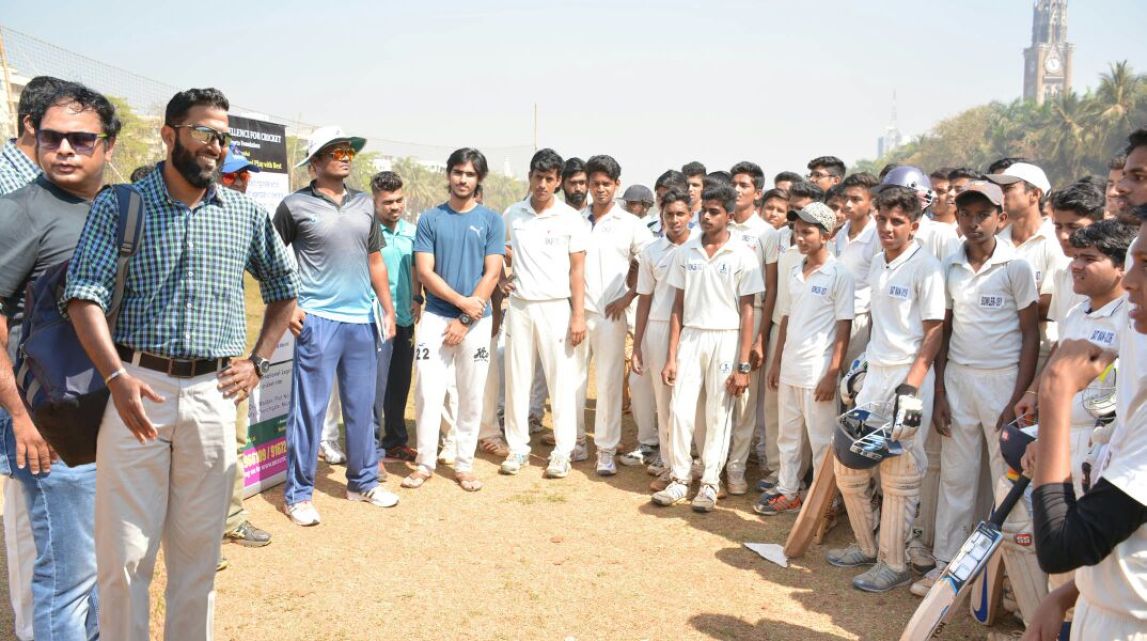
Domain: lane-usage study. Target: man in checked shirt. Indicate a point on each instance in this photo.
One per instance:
(166, 451)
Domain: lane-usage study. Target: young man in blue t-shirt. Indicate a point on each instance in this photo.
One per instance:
(458, 251)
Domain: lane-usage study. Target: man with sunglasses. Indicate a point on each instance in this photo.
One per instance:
(166, 452)
(337, 244)
(39, 226)
(236, 170)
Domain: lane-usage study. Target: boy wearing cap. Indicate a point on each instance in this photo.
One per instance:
(907, 302)
(987, 361)
(336, 240)
(817, 312)
(715, 279)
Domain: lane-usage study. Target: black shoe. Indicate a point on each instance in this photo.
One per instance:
(249, 536)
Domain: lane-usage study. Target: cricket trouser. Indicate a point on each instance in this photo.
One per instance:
(539, 390)
(900, 476)
(976, 399)
(802, 416)
(1094, 622)
(654, 350)
(705, 360)
(745, 415)
(540, 330)
(768, 412)
(1029, 582)
(643, 405)
(332, 417)
(174, 488)
(493, 397)
(468, 362)
(21, 555)
(605, 343)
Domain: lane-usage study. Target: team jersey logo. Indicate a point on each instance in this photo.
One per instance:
(482, 355)
(896, 291)
(818, 290)
(695, 266)
(1102, 337)
(726, 367)
(992, 302)
(723, 269)
(476, 230)
(1024, 539)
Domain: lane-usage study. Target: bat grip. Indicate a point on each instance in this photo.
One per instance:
(1005, 507)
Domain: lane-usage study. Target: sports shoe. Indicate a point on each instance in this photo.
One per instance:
(768, 483)
(849, 557)
(331, 453)
(640, 456)
(736, 481)
(661, 482)
(919, 556)
(514, 463)
(376, 496)
(559, 467)
(303, 513)
(605, 464)
(248, 535)
(706, 498)
(774, 504)
(676, 492)
(580, 451)
(921, 587)
(536, 424)
(402, 453)
(881, 578)
(655, 465)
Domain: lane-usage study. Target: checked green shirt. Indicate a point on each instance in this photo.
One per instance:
(184, 293)
(16, 169)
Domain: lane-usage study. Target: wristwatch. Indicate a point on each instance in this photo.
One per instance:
(465, 319)
(262, 365)
(744, 368)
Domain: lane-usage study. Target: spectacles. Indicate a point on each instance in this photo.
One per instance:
(81, 142)
(204, 134)
(238, 176)
(341, 153)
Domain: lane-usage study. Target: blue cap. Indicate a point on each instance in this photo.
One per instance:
(237, 162)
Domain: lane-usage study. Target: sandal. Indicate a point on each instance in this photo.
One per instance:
(468, 481)
(495, 445)
(416, 478)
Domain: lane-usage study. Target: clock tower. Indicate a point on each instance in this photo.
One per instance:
(1047, 62)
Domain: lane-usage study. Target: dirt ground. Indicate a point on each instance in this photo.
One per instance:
(584, 558)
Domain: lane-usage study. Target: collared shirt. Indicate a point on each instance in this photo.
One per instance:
(653, 266)
(1043, 253)
(814, 305)
(985, 306)
(332, 244)
(713, 285)
(542, 243)
(939, 238)
(184, 292)
(398, 254)
(760, 238)
(905, 293)
(1063, 296)
(1102, 327)
(615, 240)
(789, 257)
(16, 169)
(856, 254)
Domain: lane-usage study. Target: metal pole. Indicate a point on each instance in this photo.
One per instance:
(8, 88)
(535, 126)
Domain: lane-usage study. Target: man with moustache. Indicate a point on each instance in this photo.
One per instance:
(164, 465)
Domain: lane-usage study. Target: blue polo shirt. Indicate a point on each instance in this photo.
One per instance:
(460, 244)
(399, 258)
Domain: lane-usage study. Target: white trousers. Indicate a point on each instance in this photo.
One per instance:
(435, 362)
(175, 488)
(654, 350)
(540, 329)
(976, 398)
(801, 417)
(705, 360)
(605, 343)
(1093, 622)
(768, 411)
(745, 415)
(643, 402)
(494, 395)
(333, 417)
(20, 549)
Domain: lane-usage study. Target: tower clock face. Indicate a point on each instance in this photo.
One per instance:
(1053, 64)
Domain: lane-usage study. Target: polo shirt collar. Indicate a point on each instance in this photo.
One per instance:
(552, 210)
(1005, 252)
(1107, 310)
(697, 243)
(831, 259)
(587, 213)
(348, 193)
(1046, 230)
(904, 256)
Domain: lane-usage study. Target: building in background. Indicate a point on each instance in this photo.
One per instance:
(892, 137)
(1047, 62)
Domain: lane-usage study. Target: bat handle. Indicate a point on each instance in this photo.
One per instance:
(1005, 507)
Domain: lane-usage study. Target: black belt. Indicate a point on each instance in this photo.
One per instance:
(177, 367)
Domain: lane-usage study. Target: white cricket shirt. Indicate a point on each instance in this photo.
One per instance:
(939, 238)
(614, 242)
(857, 255)
(760, 238)
(905, 293)
(542, 243)
(789, 257)
(653, 266)
(813, 304)
(713, 286)
(1103, 327)
(1063, 296)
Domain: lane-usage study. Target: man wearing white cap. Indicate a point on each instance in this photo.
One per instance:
(336, 241)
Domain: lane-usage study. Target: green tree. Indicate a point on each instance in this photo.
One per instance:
(137, 144)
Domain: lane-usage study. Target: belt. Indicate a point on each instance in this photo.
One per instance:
(177, 367)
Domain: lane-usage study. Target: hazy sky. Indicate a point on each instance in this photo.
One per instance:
(654, 84)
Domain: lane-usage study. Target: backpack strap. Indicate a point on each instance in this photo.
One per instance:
(129, 233)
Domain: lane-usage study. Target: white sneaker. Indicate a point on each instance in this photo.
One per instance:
(303, 513)
(331, 453)
(376, 496)
(676, 492)
(559, 467)
(921, 587)
(737, 483)
(605, 464)
(580, 452)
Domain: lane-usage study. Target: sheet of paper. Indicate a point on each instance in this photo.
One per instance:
(770, 552)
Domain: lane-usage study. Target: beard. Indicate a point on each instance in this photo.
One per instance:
(187, 164)
(576, 199)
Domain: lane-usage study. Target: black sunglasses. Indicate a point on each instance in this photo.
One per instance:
(81, 142)
(204, 134)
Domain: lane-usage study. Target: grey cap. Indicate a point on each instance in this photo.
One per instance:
(638, 193)
(817, 214)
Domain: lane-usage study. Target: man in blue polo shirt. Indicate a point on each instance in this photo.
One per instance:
(332, 230)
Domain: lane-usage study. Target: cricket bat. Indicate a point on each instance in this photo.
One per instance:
(987, 592)
(940, 603)
(813, 512)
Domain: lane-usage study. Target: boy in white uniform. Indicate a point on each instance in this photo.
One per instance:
(855, 245)
(1072, 208)
(615, 238)
(710, 337)
(546, 317)
(907, 326)
(654, 308)
(817, 314)
(758, 236)
(988, 360)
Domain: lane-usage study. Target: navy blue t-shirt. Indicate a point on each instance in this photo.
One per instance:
(460, 244)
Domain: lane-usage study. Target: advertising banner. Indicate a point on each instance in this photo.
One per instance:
(265, 145)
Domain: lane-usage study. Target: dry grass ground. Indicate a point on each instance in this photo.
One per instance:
(526, 558)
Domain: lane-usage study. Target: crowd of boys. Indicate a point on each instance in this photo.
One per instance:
(735, 322)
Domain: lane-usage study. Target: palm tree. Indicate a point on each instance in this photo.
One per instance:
(1120, 91)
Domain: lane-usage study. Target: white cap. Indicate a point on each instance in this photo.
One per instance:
(1026, 172)
(326, 136)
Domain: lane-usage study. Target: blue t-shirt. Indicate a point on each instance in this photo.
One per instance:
(460, 244)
